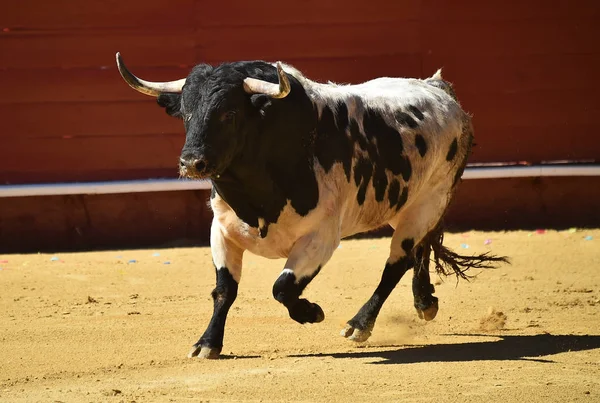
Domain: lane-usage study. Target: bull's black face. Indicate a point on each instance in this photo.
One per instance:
(218, 115)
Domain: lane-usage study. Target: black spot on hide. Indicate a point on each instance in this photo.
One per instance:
(403, 198)
(405, 119)
(452, 151)
(407, 245)
(421, 144)
(363, 171)
(332, 143)
(415, 111)
(394, 192)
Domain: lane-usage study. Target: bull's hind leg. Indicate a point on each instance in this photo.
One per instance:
(425, 303)
(411, 226)
(359, 328)
(308, 255)
(227, 258)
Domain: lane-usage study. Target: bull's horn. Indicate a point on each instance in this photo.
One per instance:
(147, 87)
(281, 90)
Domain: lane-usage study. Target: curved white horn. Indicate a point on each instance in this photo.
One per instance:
(281, 90)
(147, 87)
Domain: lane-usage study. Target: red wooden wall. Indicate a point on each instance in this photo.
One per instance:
(527, 70)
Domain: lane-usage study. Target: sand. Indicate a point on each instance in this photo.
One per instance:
(95, 327)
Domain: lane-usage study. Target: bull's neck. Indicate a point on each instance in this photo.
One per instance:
(275, 167)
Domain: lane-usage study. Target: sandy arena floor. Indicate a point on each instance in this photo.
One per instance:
(91, 327)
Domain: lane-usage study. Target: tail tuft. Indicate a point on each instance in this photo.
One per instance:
(448, 262)
(437, 75)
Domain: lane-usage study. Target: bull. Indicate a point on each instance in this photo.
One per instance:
(297, 165)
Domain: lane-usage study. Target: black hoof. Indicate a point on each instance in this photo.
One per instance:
(305, 311)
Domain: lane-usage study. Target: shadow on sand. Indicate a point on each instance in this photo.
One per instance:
(529, 348)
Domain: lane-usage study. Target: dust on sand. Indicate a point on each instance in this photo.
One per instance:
(494, 320)
(116, 326)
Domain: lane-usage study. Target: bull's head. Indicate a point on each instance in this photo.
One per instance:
(221, 109)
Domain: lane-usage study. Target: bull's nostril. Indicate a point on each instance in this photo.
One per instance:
(199, 165)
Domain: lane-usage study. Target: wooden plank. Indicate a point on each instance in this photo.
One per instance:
(68, 14)
(534, 143)
(89, 154)
(96, 48)
(282, 42)
(84, 222)
(308, 12)
(491, 74)
(563, 108)
(510, 10)
(92, 85)
(488, 37)
(75, 175)
(91, 119)
(517, 73)
(80, 85)
(525, 203)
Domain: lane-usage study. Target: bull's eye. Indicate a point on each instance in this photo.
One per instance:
(228, 117)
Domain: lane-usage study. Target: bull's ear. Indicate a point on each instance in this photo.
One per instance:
(172, 103)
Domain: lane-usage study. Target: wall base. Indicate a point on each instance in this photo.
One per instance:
(159, 219)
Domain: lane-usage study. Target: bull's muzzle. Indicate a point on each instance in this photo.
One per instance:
(194, 168)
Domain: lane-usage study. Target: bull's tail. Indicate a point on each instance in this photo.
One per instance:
(437, 81)
(448, 262)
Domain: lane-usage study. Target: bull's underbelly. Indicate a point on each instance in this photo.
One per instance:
(331, 225)
(280, 236)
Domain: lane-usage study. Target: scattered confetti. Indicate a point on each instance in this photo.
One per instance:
(3, 261)
(572, 230)
(588, 238)
(167, 263)
(339, 246)
(54, 259)
(156, 254)
(530, 234)
(132, 261)
(487, 242)
(540, 231)
(465, 235)
(119, 257)
(464, 246)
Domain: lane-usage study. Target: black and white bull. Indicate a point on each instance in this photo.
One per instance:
(298, 165)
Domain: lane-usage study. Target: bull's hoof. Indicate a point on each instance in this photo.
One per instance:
(358, 335)
(305, 311)
(428, 312)
(209, 353)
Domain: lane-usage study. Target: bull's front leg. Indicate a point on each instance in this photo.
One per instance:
(308, 255)
(227, 258)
